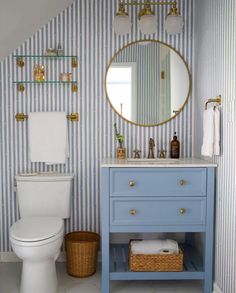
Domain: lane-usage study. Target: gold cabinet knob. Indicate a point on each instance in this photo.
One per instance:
(132, 212)
(182, 211)
(132, 183)
(182, 182)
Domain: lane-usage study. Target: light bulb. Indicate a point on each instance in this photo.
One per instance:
(148, 24)
(174, 24)
(121, 24)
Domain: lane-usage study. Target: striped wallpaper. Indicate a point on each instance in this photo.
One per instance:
(83, 29)
(215, 60)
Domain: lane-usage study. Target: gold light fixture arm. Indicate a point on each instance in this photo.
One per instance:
(121, 10)
(73, 117)
(147, 7)
(148, 2)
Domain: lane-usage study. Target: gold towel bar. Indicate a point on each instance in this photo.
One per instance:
(72, 117)
(216, 100)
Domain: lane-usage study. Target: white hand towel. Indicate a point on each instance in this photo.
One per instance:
(48, 139)
(217, 132)
(154, 246)
(208, 133)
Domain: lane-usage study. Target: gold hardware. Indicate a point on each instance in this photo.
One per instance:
(146, 10)
(20, 87)
(182, 211)
(147, 3)
(73, 117)
(162, 154)
(21, 117)
(174, 10)
(74, 62)
(132, 183)
(182, 182)
(74, 87)
(20, 62)
(216, 100)
(132, 212)
(121, 10)
(137, 154)
(147, 7)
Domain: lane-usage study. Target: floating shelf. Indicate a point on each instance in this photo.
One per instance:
(21, 62)
(21, 87)
(119, 266)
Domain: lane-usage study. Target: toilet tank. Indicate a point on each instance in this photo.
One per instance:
(44, 194)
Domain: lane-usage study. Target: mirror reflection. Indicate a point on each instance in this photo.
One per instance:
(147, 82)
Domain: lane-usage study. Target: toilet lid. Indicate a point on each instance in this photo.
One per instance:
(36, 229)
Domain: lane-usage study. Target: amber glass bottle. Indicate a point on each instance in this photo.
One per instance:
(174, 148)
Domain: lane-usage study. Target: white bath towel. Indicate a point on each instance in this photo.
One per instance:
(154, 246)
(217, 132)
(211, 133)
(48, 139)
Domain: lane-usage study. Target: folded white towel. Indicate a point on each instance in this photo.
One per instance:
(208, 132)
(211, 132)
(217, 132)
(48, 139)
(154, 246)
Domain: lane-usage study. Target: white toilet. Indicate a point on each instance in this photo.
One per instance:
(44, 201)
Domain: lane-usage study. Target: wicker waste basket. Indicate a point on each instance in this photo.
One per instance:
(81, 252)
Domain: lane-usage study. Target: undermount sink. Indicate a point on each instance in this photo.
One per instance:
(155, 160)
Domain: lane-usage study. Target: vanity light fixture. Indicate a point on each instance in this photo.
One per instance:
(146, 18)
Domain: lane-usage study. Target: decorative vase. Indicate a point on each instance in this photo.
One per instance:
(120, 153)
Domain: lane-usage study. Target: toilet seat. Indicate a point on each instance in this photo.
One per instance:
(38, 230)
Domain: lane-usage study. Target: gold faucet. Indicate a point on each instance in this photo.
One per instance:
(137, 154)
(162, 154)
(151, 145)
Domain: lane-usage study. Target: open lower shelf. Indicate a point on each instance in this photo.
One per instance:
(119, 266)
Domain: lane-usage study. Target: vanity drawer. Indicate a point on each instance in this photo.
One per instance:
(146, 211)
(158, 181)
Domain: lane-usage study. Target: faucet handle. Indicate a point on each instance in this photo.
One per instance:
(137, 154)
(162, 154)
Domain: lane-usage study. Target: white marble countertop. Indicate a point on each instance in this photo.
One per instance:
(160, 163)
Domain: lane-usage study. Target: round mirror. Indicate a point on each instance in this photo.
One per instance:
(148, 82)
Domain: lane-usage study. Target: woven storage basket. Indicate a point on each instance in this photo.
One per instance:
(81, 252)
(156, 262)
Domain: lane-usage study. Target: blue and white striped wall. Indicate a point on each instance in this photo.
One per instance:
(215, 60)
(84, 29)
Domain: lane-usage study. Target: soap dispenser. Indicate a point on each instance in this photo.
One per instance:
(174, 147)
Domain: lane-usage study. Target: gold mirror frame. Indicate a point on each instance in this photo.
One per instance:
(188, 71)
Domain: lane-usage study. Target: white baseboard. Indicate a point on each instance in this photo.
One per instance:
(216, 288)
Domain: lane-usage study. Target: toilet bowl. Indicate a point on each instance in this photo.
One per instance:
(44, 202)
(37, 241)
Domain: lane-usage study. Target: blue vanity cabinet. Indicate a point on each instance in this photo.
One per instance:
(157, 199)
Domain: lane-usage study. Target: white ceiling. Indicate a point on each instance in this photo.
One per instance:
(20, 19)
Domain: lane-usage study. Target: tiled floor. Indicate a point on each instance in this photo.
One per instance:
(10, 278)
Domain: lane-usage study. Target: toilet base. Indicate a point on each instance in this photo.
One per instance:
(39, 277)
